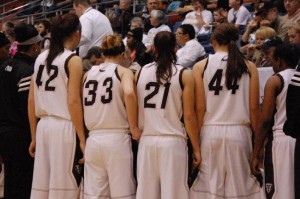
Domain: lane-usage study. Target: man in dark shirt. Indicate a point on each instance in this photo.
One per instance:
(15, 138)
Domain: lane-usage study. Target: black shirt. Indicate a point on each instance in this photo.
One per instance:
(15, 76)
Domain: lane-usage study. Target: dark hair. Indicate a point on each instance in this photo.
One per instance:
(165, 57)
(289, 53)
(46, 24)
(228, 34)
(24, 32)
(95, 50)
(62, 29)
(82, 2)
(188, 29)
(112, 45)
(202, 2)
(9, 25)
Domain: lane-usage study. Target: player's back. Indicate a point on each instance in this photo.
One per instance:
(160, 105)
(225, 106)
(280, 115)
(51, 89)
(103, 99)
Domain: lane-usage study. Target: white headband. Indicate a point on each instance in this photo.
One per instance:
(31, 41)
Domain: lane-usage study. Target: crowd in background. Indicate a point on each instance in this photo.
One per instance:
(266, 30)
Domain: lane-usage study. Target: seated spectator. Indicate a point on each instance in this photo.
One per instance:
(294, 33)
(137, 48)
(279, 23)
(253, 51)
(151, 5)
(238, 15)
(158, 20)
(44, 29)
(191, 50)
(7, 26)
(92, 58)
(199, 17)
(292, 8)
(220, 16)
(121, 21)
(136, 22)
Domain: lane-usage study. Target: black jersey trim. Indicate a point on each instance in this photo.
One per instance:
(117, 74)
(180, 77)
(205, 67)
(66, 64)
(282, 84)
(138, 76)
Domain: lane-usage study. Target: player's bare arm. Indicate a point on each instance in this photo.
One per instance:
(190, 115)
(74, 98)
(129, 88)
(32, 119)
(268, 107)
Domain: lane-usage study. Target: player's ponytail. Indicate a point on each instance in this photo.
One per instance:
(228, 34)
(165, 57)
(62, 29)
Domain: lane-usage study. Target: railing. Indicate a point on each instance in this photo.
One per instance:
(16, 13)
(2, 7)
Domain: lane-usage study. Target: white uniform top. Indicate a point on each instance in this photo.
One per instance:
(160, 106)
(223, 106)
(103, 99)
(50, 90)
(280, 115)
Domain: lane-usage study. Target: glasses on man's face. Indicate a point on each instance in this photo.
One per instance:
(179, 33)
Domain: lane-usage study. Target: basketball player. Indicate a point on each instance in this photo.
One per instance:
(110, 110)
(285, 58)
(165, 94)
(55, 99)
(227, 101)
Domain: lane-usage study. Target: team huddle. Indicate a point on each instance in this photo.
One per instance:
(163, 105)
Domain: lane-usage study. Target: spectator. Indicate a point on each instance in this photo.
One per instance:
(253, 51)
(238, 15)
(220, 16)
(199, 17)
(121, 22)
(92, 58)
(137, 48)
(293, 10)
(137, 22)
(294, 33)
(7, 26)
(151, 5)
(44, 28)
(158, 20)
(279, 23)
(95, 26)
(191, 50)
(15, 76)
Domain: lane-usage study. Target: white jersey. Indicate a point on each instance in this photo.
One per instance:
(50, 90)
(280, 115)
(103, 99)
(160, 106)
(224, 106)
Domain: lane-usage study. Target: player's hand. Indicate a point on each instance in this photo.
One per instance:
(32, 149)
(196, 159)
(136, 133)
(256, 166)
(82, 148)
